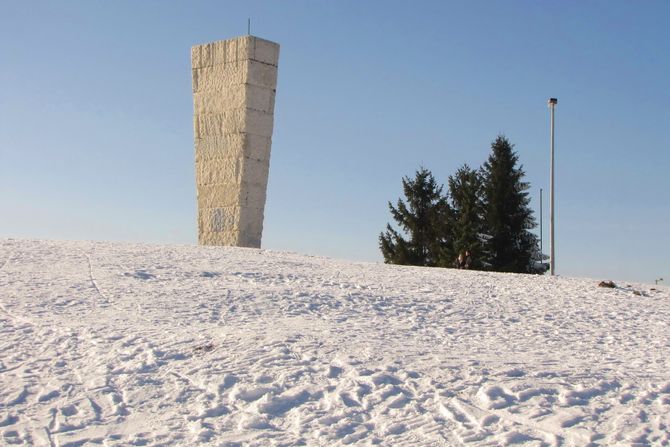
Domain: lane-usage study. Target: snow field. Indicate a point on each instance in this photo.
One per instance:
(127, 344)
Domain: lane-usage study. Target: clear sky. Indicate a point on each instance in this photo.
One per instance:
(96, 137)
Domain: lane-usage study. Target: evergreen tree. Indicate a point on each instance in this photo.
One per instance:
(465, 189)
(423, 219)
(507, 216)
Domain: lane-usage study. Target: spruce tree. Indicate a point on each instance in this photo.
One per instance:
(465, 190)
(507, 216)
(424, 221)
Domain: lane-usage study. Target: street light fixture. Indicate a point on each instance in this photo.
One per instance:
(552, 245)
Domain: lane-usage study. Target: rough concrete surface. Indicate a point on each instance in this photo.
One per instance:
(234, 86)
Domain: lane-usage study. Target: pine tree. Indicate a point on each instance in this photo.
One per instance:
(507, 216)
(465, 189)
(423, 219)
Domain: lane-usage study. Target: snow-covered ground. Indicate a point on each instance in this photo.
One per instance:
(126, 344)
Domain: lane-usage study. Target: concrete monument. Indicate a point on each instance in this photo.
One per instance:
(234, 85)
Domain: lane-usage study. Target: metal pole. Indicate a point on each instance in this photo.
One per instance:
(552, 241)
(541, 251)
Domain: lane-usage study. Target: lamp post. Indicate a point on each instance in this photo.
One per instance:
(541, 250)
(552, 244)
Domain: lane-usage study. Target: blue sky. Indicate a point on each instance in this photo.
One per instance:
(96, 138)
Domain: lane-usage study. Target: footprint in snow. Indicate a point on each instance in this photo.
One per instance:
(140, 274)
(494, 397)
(279, 405)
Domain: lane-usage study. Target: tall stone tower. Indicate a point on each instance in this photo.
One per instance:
(234, 85)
